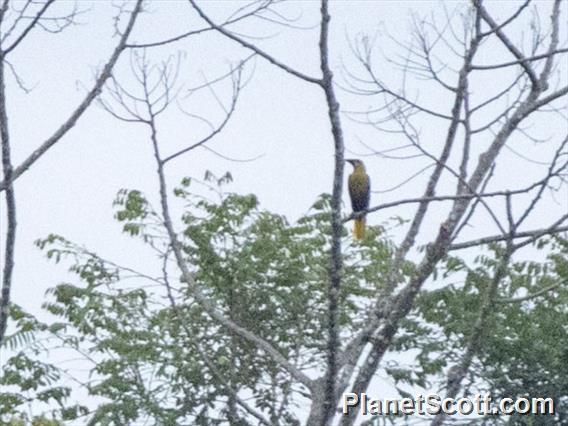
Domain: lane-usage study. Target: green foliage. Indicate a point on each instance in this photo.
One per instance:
(172, 363)
(523, 350)
(155, 355)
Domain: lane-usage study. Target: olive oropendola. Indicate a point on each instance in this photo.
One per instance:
(360, 191)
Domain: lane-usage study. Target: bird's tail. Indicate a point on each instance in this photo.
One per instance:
(359, 229)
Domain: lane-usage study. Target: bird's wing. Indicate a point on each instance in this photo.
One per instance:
(359, 189)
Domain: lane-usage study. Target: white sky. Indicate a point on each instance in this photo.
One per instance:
(70, 190)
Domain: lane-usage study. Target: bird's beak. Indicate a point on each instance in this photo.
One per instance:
(352, 162)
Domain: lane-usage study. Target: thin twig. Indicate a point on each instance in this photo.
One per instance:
(536, 233)
(258, 51)
(79, 111)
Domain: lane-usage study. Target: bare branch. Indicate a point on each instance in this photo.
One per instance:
(532, 235)
(409, 239)
(497, 96)
(336, 259)
(466, 218)
(555, 24)
(9, 31)
(510, 19)
(507, 42)
(362, 53)
(355, 347)
(232, 159)
(551, 173)
(216, 131)
(3, 10)
(518, 62)
(231, 20)
(462, 184)
(469, 196)
(78, 112)
(393, 309)
(9, 249)
(252, 47)
(546, 100)
(30, 26)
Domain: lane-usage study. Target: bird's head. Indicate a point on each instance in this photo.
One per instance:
(355, 163)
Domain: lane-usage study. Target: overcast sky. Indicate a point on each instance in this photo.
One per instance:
(280, 122)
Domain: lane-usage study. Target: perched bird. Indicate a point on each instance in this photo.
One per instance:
(359, 191)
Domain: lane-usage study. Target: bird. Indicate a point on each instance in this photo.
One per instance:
(359, 191)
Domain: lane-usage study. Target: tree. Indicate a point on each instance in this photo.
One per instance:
(363, 300)
(150, 345)
(17, 21)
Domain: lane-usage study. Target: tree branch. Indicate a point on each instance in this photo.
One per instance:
(436, 198)
(93, 93)
(336, 260)
(214, 132)
(403, 303)
(218, 316)
(532, 235)
(508, 44)
(458, 372)
(30, 26)
(518, 62)
(252, 47)
(393, 309)
(9, 249)
(530, 296)
(230, 21)
(220, 379)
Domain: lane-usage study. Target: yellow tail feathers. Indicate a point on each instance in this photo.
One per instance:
(359, 229)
